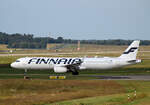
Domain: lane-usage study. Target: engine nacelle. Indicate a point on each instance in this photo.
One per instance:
(59, 69)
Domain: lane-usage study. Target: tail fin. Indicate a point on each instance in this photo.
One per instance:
(131, 51)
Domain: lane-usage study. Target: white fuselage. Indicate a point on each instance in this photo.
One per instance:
(87, 63)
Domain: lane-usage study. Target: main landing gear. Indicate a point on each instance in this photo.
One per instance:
(75, 73)
(74, 70)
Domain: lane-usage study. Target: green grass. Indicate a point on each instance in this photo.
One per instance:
(39, 92)
(118, 99)
(142, 96)
(73, 92)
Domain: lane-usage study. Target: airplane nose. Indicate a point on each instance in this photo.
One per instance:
(13, 65)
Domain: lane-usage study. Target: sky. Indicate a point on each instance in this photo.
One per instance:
(77, 19)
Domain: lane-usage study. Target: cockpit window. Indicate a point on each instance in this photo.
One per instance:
(17, 61)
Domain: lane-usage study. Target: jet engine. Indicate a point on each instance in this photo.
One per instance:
(60, 69)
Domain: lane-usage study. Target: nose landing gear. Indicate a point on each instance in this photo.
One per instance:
(25, 74)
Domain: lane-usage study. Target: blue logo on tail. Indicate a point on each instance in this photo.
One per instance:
(131, 50)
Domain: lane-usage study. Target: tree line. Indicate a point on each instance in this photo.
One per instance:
(29, 41)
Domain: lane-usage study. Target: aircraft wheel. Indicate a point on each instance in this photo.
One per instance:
(75, 73)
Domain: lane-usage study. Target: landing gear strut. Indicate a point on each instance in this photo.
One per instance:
(25, 74)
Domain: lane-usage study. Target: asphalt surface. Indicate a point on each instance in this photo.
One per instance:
(99, 77)
(132, 77)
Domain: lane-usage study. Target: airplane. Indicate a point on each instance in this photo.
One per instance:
(65, 64)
